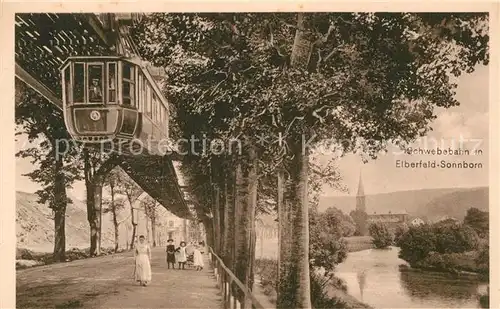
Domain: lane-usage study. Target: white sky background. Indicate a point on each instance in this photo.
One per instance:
(470, 120)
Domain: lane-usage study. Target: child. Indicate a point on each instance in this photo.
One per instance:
(198, 258)
(170, 253)
(182, 257)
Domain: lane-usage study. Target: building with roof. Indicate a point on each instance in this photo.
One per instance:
(391, 218)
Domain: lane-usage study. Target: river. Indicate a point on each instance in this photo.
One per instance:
(373, 276)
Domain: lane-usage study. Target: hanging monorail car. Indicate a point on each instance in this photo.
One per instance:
(112, 99)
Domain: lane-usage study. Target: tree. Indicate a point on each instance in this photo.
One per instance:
(132, 192)
(417, 243)
(400, 231)
(115, 203)
(360, 218)
(335, 218)
(150, 209)
(479, 221)
(359, 79)
(97, 165)
(326, 247)
(455, 238)
(381, 236)
(55, 157)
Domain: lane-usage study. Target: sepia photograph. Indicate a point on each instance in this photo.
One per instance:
(291, 159)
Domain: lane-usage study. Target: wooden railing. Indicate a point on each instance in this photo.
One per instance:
(226, 281)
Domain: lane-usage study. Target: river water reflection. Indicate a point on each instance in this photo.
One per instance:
(373, 276)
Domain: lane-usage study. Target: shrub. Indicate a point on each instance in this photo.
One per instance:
(479, 221)
(360, 219)
(319, 293)
(326, 246)
(483, 261)
(267, 270)
(447, 242)
(455, 238)
(417, 243)
(381, 237)
(400, 231)
(334, 218)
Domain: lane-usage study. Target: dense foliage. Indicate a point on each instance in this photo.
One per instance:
(381, 236)
(419, 242)
(479, 221)
(360, 219)
(326, 246)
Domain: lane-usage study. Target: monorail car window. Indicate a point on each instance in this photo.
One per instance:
(140, 96)
(155, 108)
(79, 83)
(164, 119)
(161, 116)
(128, 85)
(112, 82)
(67, 83)
(144, 94)
(149, 110)
(95, 83)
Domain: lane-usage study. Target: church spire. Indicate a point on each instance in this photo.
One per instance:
(360, 197)
(361, 190)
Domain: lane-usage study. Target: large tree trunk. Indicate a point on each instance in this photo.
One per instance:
(115, 219)
(245, 208)
(94, 181)
(217, 223)
(60, 203)
(94, 209)
(294, 282)
(209, 231)
(153, 228)
(228, 237)
(134, 226)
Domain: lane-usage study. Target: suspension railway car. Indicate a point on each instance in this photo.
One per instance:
(112, 99)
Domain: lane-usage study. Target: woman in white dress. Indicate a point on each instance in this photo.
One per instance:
(142, 255)
(198, 258)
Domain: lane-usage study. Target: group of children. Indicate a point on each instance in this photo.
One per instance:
(183, 254)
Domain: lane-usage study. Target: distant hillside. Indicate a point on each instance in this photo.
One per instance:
(35, 227)
(426, 203)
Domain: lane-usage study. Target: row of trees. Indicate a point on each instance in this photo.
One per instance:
(59, 162)
(282, 84)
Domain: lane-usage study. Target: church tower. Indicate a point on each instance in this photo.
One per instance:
(360, 196)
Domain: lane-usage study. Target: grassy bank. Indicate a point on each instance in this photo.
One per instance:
(26, 258)
(359, 243)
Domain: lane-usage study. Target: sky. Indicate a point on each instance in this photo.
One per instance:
(470, 121)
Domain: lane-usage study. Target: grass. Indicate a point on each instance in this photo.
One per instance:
(359, 243)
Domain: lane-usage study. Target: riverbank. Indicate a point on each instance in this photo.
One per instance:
(465, 264)
(266, 281)
(376, 278)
